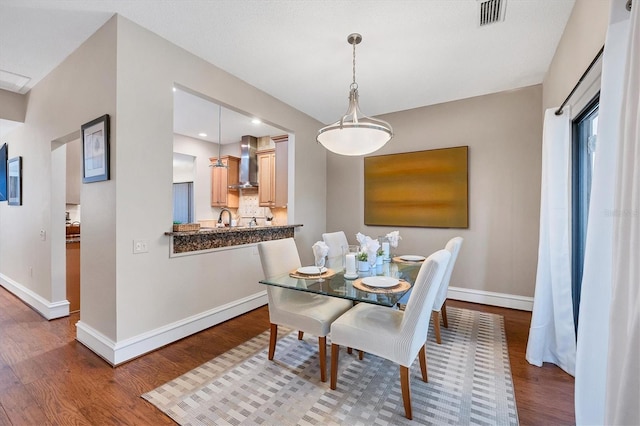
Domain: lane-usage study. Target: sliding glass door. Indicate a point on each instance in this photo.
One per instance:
(585, 130)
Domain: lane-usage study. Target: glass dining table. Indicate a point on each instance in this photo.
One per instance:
(335, 284)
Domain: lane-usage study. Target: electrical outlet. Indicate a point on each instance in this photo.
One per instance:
(140, 246)
(43, 234)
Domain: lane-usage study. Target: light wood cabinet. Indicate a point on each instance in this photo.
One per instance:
(273, 174)
(266, 178)
(73, 275)
(221, 178)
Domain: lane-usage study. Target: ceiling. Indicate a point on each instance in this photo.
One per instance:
(414, 52)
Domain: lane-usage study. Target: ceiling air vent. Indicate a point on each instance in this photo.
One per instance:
(12, 82)
(491, 11)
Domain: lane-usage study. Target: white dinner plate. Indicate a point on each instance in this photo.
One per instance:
(412, 258)
(311, 270)
(381, 282)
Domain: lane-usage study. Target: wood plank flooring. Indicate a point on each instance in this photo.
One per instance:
(48, 378)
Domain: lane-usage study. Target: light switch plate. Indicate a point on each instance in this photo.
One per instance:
(140, 246)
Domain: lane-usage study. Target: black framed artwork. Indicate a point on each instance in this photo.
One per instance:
(14, 173)
(3, 171)
(95, 150)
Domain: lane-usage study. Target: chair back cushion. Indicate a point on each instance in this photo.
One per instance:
(335, 241)
(415, 322)
(453, 247)
(278, 257)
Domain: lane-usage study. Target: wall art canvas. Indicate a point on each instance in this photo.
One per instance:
(3, 171)
(418, 189)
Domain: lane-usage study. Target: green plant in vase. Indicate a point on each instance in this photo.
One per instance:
(363, 265)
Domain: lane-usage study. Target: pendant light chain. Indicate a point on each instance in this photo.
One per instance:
(354, 85)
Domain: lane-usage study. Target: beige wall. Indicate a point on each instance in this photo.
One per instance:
(583, 37)
(131, 299)
(504, 133)
(154, 290)
(13, 106)
(77, 91)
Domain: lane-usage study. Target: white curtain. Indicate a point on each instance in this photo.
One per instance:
(595, 298)
(552, 334)
(622, 405)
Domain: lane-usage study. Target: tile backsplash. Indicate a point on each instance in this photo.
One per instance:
(249, 207)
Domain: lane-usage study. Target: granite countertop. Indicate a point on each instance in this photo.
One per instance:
(206, 230)
(214, 238)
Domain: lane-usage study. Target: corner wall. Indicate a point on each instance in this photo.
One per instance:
(497, 263)
(77, 91)
(583, 37)
(161, 299)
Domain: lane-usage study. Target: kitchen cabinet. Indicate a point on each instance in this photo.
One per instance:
(73, 275)
(273, 174)
(266, 178)
(221, 178)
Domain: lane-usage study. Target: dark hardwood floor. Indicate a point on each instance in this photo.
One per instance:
(47, 378)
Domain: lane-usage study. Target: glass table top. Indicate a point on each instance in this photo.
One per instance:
(339, 286)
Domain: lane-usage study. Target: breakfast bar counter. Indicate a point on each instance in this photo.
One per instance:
(207, 239)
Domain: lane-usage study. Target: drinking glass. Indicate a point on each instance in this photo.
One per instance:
(320, 264)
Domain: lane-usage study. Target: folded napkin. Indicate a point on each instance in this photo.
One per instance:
(368, 244)
(320, 252)
(393, 238)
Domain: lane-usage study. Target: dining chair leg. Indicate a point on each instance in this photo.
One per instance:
(322, 345)
(435, 319)
(300, 335)
(406, 391)
(334, 365)
(272, 340)
(444, 314)
(423, 362)
(360, 355)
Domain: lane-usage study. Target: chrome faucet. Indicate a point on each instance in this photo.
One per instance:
(230, 216)
(254, 222)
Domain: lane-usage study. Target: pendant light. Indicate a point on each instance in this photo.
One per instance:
(219, 162)
(355, 133)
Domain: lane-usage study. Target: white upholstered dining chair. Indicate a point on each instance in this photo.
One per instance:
(398, 336)
(306, 312)
(440, 304)
(336, 241)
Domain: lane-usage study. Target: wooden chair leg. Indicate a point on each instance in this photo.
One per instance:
(360, 355)
(349, 350)
(444, 314)
(334, 365)
(423, 362)
(300, 335)
(272, 340)
(322, 345)
(406, 391)
(435, 319)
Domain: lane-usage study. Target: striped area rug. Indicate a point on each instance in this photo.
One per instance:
(469, 383)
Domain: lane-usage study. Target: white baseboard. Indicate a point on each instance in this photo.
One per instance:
(503, 300)
(119, 352)
(49, 310)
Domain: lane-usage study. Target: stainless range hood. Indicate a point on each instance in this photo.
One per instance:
(248, 174)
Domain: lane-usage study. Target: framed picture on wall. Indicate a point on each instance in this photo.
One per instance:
(14, 173)
(95, 150)
(3, 171)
